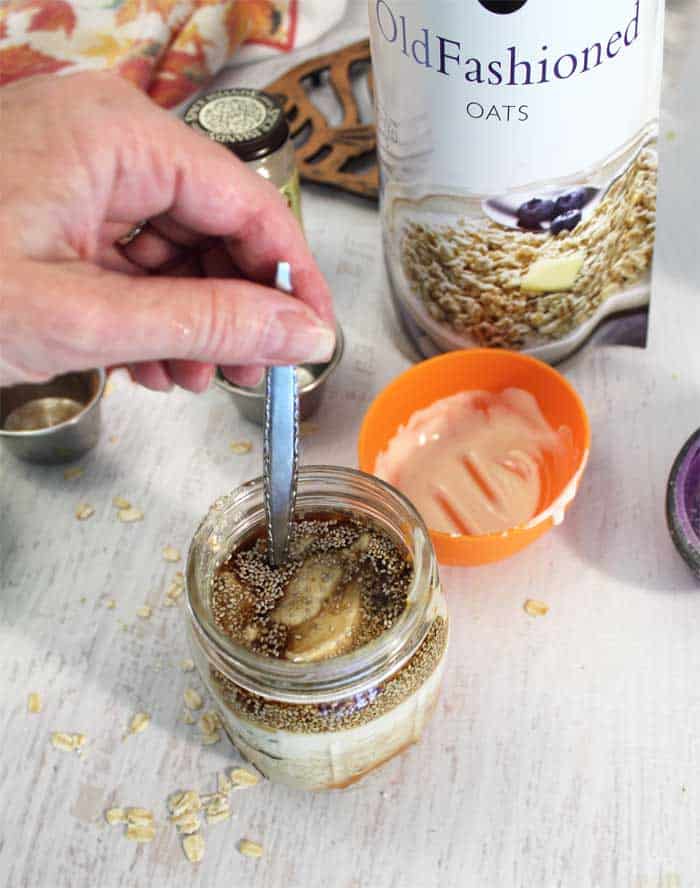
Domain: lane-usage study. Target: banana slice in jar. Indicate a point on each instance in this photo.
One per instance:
(329, 633)
(312, 585)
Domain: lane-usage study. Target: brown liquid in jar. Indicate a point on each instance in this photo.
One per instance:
(344, 583)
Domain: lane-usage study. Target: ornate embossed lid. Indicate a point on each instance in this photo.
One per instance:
(249, 122)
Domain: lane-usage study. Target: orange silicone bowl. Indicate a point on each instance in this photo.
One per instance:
(488, 370)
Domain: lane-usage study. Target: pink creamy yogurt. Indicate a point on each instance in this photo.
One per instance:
(475, 462)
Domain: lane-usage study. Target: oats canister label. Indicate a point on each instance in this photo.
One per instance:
(517, 145)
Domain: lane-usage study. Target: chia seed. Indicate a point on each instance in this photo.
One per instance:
(246, 589)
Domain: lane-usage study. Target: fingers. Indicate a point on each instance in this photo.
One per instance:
(197, 187)
(151, 375)
(150, 251)
(191, 375)
(249, 377)
(81, 316)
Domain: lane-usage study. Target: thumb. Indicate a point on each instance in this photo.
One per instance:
(71, 316)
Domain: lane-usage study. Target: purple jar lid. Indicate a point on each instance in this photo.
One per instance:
(683, 502)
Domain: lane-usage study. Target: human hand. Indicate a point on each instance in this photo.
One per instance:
(86, 157)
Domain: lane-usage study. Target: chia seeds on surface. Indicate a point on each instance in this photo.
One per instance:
(246, 589)
(340, 715)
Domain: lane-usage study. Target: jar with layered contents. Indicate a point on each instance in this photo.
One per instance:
(329, 666)
(252, 125)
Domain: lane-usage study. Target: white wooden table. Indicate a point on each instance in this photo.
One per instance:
(565, 750)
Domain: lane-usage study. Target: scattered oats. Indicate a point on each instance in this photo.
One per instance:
(110, 604)
(218, 816)
(170, 553)
(187, 824)
(169, 602)
(223, 784)
(67, 742)
(675, 377)
(187, 665)
(108, 389)
(535, 608)
(179, 578)
(84, 511)
(210, 722)
(140, 833)
(144, 612)
(241, 777)
(241, 447)
(121, 503)
(139, 722)
(113, 439)
(174, 592)
(72, 473)
(185, 803)
(115, 815)
(187, 717)
(34, 703)
(250, 849)
(307, 428)
(128, 516)
(193, 699)
(193, 847)
(139, 816)
(175, 800)
(216, 805)
(210, 739)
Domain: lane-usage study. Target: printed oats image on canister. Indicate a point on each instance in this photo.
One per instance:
(518, 155)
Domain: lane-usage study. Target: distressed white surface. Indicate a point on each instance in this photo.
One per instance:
(565, 750)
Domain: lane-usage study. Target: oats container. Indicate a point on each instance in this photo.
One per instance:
(518, 153)
(322, 725)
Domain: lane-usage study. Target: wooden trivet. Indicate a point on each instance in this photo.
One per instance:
(328, 154)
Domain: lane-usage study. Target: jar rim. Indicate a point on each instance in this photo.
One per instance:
(351, 673)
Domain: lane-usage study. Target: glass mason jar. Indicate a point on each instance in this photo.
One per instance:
(325, 724)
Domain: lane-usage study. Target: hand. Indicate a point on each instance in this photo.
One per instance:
(84, 159)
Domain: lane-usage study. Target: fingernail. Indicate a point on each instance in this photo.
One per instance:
(312, 344)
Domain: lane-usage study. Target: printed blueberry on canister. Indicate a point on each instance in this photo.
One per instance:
(572, 200)
(565, 222)
(535, 211)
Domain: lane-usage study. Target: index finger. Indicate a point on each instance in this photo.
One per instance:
(167, 168)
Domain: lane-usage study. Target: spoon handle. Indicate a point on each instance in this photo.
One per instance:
(281, 445)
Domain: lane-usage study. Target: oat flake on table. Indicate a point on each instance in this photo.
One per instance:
(170, 553)
(128, 516)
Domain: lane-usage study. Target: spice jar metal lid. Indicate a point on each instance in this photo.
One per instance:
(249, 122)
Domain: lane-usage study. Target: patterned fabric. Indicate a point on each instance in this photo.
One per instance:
(170, 48)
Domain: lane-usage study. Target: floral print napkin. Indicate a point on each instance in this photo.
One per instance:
(170, 48)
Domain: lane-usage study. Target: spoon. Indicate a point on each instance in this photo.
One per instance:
(281, 445)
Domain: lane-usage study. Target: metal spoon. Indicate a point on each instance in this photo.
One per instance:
(281, 445)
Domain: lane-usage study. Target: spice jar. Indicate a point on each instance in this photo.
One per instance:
(323, 724)
(254, 127)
